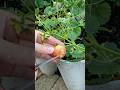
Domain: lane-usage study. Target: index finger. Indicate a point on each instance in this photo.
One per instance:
(51, 40)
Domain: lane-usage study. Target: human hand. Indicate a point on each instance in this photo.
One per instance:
(14, 52)
(46, 48)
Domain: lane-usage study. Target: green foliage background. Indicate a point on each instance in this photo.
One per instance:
(63, 19)
(66, 19)
(103, 59)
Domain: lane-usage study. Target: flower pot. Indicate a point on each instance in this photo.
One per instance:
(73, 74)
(48, 69)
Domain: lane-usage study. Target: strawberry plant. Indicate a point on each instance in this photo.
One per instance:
(102, 51)
(24, 25)
(65, 20)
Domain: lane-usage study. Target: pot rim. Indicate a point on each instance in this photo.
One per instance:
(66, 61)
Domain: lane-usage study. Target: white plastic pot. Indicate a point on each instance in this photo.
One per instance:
(48, 69)
(73, 74)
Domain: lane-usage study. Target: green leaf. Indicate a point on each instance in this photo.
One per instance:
(102, 13)
(73, 34)
(38, 3)
(92, 24)
(98, 15)
(49, 10)
(59, 0)
(50, 23)
(78, 10)
(41, 3)
(93, 1)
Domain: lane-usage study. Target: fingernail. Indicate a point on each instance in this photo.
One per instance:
(50, 50)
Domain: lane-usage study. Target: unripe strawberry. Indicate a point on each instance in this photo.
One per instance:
(59, 51)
